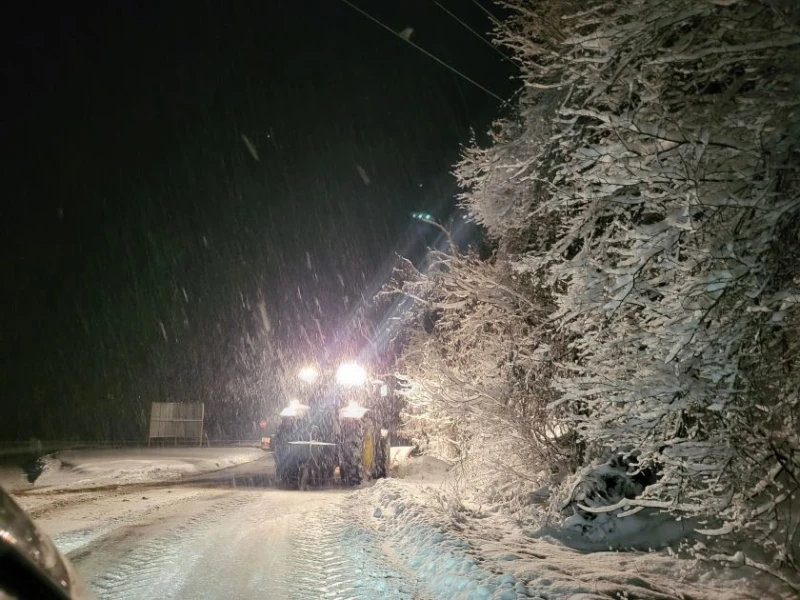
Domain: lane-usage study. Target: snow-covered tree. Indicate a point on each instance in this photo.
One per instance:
(476, 374)
(650, 182)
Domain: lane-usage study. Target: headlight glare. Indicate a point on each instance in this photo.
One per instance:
(308, 374)
(353, 410)
(351, 375)
(295, 409)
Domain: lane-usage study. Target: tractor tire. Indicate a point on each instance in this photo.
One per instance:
(279, 442)
(350, 450)
(286, 474)
(288, 478)
(329, 474)
(364, 452)
(305, 478)
(382, 457)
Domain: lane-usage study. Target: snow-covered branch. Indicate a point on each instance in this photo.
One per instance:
(650, 185)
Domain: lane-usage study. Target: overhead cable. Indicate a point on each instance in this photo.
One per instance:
(425, 52)
(471, 30)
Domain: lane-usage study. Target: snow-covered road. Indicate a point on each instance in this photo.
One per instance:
(241, 544)
(231, 534)
(198, 539)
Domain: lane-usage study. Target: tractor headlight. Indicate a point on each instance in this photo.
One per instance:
(351, 375)
(308, 374)
(295, 409)
(353, 410)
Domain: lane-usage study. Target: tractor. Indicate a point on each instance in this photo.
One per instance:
(338, 419)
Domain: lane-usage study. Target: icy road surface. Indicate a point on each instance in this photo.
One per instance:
(217, 536)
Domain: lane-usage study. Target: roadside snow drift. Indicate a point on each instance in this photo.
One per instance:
(89, 468)
(423, 468)
(596, 516)
(471, 555)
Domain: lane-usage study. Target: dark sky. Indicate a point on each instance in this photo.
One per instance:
(138, 233)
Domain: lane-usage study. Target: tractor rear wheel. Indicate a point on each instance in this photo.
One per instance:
(364, 452)
(382, 457)
(279, 445)
(351, 450)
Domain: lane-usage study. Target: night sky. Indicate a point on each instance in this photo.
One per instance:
(139, 233)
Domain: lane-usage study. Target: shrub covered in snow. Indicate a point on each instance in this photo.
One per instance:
(647, 191)
(596, 506)
(473, 375)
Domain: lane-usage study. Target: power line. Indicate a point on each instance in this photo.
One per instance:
(471, 30)
(487, 11)
(425, 52)
(497, 22)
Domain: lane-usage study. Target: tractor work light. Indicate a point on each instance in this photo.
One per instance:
(351, 375)
(308, 374)
(353, 410)
(295, 409)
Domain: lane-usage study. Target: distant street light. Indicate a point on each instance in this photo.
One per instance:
(428, 218)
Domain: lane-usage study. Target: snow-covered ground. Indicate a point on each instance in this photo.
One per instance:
(408, 465)
(404, 538)
(123, 466)
(470, 554)
(13, 478)
(192, 541)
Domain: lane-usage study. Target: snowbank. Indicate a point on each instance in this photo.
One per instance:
(591, 521)
(120, 466)
(471, 555)
(423, 468)
(13, 478)
(398, 454)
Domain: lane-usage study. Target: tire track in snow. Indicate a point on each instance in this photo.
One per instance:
(335, 559)
(271, 544)
(159, 567)
(72, 540)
